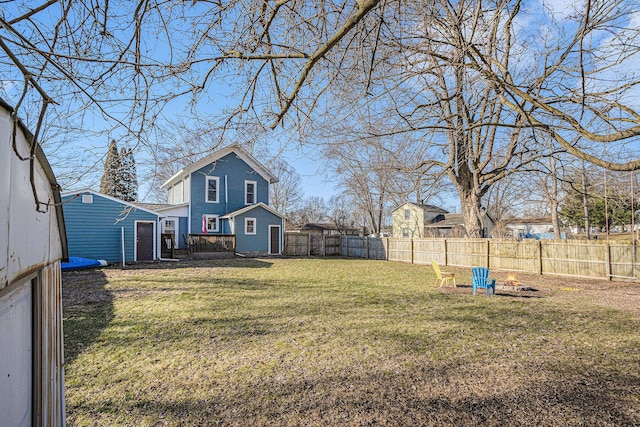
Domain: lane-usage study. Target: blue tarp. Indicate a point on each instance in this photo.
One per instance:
(78, 263)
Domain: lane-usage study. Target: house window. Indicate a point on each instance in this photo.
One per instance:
(87, 198)
(250, 226)
(407, 214)
(212, 223)
(250, 192)
(213, 184)
(405, 232)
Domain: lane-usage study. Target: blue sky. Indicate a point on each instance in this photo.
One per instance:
(220, 95)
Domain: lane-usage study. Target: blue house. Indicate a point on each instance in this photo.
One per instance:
(104, 227)
(225, 194)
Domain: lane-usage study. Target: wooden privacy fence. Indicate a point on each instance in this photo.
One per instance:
(302, 244)
(598, 259)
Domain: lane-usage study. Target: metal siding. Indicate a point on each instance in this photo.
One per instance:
(34, 245)
(15, 365)
(237, 171)
(29, 231)
(6, 153)
(260, 241)
(93, 229)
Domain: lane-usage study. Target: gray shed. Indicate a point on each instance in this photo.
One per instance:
(34, 240)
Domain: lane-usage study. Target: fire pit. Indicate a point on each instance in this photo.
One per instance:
(511, 283)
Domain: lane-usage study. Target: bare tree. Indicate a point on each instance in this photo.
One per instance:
(463, 80)
(286, 194)
(312, 210)
(342, 211)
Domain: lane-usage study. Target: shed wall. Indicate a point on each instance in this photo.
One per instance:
(16, 375)
(33, 243)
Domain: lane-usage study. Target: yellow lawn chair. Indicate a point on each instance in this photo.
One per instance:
(443, 276)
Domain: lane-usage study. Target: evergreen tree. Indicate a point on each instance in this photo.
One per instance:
(110, 184)
(128, 176)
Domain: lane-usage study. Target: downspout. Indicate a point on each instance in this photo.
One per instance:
(226, 196)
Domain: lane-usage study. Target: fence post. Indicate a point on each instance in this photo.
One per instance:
(540, 257)
(366, 247)
(488, 252)
(446, 257)
(411, 250)
(607, 259)
(347, 248)
(386, 251)
(309, 244)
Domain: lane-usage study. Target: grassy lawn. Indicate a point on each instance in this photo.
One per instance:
(335, 342)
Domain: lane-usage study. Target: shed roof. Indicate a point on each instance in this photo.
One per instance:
(233, 148)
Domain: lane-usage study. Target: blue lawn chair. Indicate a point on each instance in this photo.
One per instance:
(480, 279)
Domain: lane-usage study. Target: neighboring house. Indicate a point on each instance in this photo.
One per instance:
(410, 219)
(452, 225)
(530, 225)
(32, 229)
(541, 227)
(101, 227)
(417, 220)
(328, 229)
(227, 193)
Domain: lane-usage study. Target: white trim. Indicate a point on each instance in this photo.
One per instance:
(248, 208)
(135, 239)
(217, 218)
(255, 226)
(206, 189)
(234, 148)
(279, 239)
(115, 199)
(176, 230)
(255, 192)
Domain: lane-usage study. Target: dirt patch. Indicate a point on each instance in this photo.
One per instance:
(618, 295)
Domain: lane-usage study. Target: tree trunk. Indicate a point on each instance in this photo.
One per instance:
(472, 213)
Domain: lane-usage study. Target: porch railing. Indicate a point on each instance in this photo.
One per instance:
(212, 242)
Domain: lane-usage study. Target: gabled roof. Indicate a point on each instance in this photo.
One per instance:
(424, 207)
(250, 207)
(233, 148)
(450, 220)
(133, 205)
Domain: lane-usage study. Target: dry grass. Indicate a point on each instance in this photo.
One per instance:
(325, 342)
